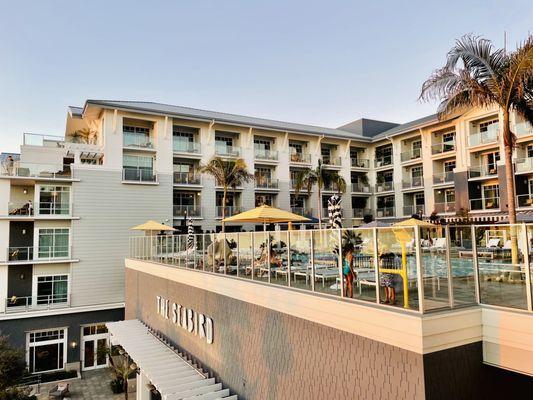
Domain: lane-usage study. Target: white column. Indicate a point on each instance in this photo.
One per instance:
(3, 287)
(142, 391)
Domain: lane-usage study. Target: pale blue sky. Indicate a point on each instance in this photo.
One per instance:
(323, 63)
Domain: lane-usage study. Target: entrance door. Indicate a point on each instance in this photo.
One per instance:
(94, 345)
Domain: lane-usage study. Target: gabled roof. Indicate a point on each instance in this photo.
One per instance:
(367, 127)
(75, 111)
(408, 126)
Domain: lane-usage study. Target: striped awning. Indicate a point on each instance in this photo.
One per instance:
(488, 218)
(173, 377)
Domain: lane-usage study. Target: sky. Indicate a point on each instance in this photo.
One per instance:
(323, 63)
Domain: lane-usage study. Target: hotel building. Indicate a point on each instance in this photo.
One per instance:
(67, 203)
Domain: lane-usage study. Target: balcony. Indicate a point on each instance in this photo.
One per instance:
(53, 208)
(229, 211)
(524, 200)
(382, 161)
(359, 187)
(524, 165)
(42, 171)
(331, 187)
(385, 212)
(187, 211)
(482, 171)
(361, 212)
(487, 137)
(415, 182)
(303, 211)
(444, 208)
(227, 151)
(329, 161)
(266, 183)
(181, 146)
(20, 209)
(523, 129)
(186, 178)
(37, 139)
(414, 209)
(490, 203)
(266, 155)
(23, 304)
(43, 253)
(384, 187)
(443, 147)
(138, 175)
(443, 177)
(300, 158)
(360, 163)
(137, 141)
(411, 155)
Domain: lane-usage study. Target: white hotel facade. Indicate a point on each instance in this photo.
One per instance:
(66, 204)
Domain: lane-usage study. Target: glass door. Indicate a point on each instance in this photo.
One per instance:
(94, 347)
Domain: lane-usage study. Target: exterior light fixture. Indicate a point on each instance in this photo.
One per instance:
(133, 366)
(73, 344)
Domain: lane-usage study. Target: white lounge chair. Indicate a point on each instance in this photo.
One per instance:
(438, 245)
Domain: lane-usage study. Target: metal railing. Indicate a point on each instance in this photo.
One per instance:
(443, 177)
(415, 182)
(482, 171)
(20, 208)
(524, 164)
(414, 209)
(266, 183)
(300, 158)
(359, 187)
(361, 212)
(15, 304)
(137, 140)
(264, 154)
(385, 212)
(41, 253)
(187, 211)
(134, 174)
(227, 151)
(30, 170)
(443, 147)
(411, 155)
(384, 187)
(360, 163)
(182, 146)
(432, 269)
(53, 208)
(489, 136)
(229, 211)
(523, 129)
(304, 211)
(382, 161)
(331, 161)
(524, 200)
(488, 203)
(443, 208)
(186, 178)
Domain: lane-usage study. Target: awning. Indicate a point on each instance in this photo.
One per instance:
(171, 374)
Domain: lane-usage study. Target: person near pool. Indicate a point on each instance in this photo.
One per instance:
(347, 268)
(386, 260)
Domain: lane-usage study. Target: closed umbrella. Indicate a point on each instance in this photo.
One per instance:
(190, 235)
(334, 211)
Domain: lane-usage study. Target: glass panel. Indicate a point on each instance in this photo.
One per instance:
(300, 253)
(262, 255)
(364, 275)
(435, 263)
(326, 261)
(88, 354)
(278, 259)
(245, 255)
(48, 357)
(232, 240)
(464, 285)
(101, 356)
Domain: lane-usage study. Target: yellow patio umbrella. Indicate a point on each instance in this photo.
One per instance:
(152, 226)
(266, 215)
(415, 222)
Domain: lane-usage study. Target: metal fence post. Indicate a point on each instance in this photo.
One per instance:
(527, 271)
(340, 262)
(289, 258)
(312, 242)
(475, 264)
(449, 265)
(376, 263)
(419, 271)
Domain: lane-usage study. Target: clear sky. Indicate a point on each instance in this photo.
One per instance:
(323, 63)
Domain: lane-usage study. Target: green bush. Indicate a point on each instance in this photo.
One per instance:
(117, 385)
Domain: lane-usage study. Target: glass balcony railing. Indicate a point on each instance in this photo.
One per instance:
(360, 163)
(304, 211)
(523, 129)
(361, 212)
(359, 187)
(414, 209)
(486, 137)
(414, 182)
(382, 161)
(30, 170)
(141, 175)
(182, 146)
(264, 154)
(53, 208)
(300, 158)
(443, 177)
(137, 140)
(20, 208)
(481, 171)
(384, 186)
(411, 155)
(42, 253)
(266, 183)
(228, 211)
(331, 161)
(443, 147)
(524, 164)
(186, 178)
(187, 211)
(443, 208)
(524, 200)
(36, 139)
(330, 187)
(227, 151)
(489, 203)
(385, 212)
(19, 304)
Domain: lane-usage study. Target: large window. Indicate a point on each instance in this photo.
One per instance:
(449, 166)
(136, 136)
(53, 243)
(52, 289)
(138, 168)
(485, 126)
(416, 147)
(184, 138)
(264, 199)
(47, 350)
(262, 144)
(54, 200)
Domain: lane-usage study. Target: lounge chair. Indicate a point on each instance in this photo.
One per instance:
(59, 391)
(438, 245)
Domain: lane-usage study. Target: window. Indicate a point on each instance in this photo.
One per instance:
(264, 199)
(388, 176)
(384, 154)
(385, 202)
(53, 243)
(449, 166)
(54, 200)
(136, 136)
(52, 289)
(224, 141)
(296, 148)
(263, 175)
(419, 199)
(529, 150)
(489, 125)
(325, 152)
(94, 329)
(416, 172)
(297, 201)
(416, 146)
(184, 198)
(183, 138)
(230, 199)
(449, 196)
(262, 144)
(490, 196)
(47, 350)
(491, 160)
(138, 168)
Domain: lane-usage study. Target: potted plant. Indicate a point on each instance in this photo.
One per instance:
(380, 180)
(364, 182)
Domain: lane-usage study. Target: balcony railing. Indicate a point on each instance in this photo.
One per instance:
(20, 208)
(385, 212)
(524, 200)
(523, 129)
(524, 164)
(359, 187)
(481, 171)
(360, 163)
(266, 183)
(443, 177)
(414, 209)
(489, 136)
(187, 211)
(42, 253)
(415, 182)
(133, 174)
(186, 178)
(300, 158)
(37, 139)
(331, 161)
(304, 211)
(53, 208)
(229, 211)
(490, 203)
(29, 170)
(382, 161)
(411, 155)
(384, 187)
(181, 146)
(16, 304)
(443, 208)
(443, 147)
(227, 151)
(137, 140)
(331, 187)
(264, 154)
(361, 212)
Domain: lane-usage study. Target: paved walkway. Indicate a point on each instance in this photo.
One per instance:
(93, 386)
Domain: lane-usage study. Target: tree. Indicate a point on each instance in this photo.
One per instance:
(477, 75)
(121, 365)
(321, 177)
(228, 174)
(12, 369)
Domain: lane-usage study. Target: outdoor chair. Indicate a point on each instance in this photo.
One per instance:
(59, 391)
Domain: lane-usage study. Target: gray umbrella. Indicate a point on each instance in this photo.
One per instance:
(375, 224)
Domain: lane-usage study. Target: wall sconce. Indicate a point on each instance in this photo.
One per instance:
(24, 231)
(73, 344)
(22, 276)
(25, 191)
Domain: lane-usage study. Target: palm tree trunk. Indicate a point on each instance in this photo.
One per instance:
(319, 208)
(510, 184)
(125, 386)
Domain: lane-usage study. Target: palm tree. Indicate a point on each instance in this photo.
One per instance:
(228, 174)
(477, 75)
(321, 177)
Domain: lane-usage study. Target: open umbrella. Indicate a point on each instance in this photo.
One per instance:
(152, 226)
(266, 215)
